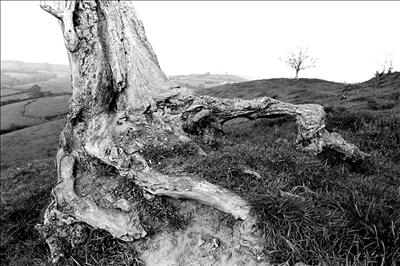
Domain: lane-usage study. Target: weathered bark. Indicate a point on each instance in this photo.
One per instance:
(122, 103)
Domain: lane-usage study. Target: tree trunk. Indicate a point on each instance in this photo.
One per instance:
(121, 104)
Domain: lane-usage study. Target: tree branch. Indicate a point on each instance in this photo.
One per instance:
(310, 119)
(64, 10)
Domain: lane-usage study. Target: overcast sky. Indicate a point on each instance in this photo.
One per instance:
(351, 39)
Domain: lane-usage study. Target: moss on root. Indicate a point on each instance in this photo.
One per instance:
(157, 214)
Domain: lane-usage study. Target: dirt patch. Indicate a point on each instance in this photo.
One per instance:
(211, 238)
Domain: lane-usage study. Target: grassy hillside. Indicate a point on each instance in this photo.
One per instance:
(310, 209)
(20, 65)
(286, 89)
(29, 82)
(314, 210)
(365, 95)
(60, 84)
(16, 73)
(32, 143)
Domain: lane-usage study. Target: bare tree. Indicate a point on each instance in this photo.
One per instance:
(386, 66)
(385, 69)
(121, 106)
(300, 60)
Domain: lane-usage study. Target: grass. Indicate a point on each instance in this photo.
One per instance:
(11, 128)
(32, 112)
(99, 248)
(32, 143)
(312, 210)
(206, 80)
(22, 245)
(26, 193)
(12, 116)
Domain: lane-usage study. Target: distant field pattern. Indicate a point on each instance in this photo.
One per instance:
(12, 116)
(48, 106)
(32, 112)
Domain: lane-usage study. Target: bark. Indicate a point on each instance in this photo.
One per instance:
(121, 104)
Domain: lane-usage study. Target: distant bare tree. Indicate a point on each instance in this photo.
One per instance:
(300, 60)
(387, 66)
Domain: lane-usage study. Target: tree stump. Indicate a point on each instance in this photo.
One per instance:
(121, 104)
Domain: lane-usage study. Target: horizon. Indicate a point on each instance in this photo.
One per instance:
(230, 74)
(322, 27)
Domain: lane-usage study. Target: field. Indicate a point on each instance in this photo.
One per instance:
(22, 81)
(207, 80)
(315, 210)
(13, 116)
(7, 91)
(14, 97)
(55, 85)
(32, 112)
(32, 143)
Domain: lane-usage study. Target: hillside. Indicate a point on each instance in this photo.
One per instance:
(206, 80)
(32, 112)
(32, 143)
(374, 93)
(14, 74)
(310, 209)
(17, 66)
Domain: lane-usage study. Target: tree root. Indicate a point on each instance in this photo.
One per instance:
(205, 115)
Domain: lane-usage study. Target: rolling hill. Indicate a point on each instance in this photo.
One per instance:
(374, 93)
(206, 80)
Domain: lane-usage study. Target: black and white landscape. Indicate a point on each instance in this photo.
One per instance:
(109, 161)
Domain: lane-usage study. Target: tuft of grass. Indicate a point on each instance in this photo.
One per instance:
(374, 132)
(157, 156)
(100, 248)
(20, 243)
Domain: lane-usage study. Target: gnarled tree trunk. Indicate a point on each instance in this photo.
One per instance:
(121, 104)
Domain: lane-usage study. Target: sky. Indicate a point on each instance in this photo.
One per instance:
(350, 39)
